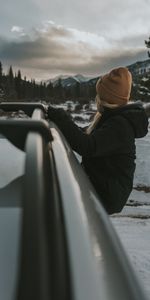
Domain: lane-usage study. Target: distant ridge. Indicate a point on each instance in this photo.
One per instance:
(140, 67)
(137, 68)
(67, 81)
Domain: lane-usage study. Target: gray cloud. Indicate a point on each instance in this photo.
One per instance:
(122, 25)
(55, 50)
(109, 17)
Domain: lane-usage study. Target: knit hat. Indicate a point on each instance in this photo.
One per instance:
(115, 87)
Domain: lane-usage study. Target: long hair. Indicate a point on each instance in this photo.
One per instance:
(100, 108)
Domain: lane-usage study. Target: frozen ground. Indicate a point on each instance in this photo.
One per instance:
(133, 223)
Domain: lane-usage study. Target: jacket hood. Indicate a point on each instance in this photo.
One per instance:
(136, 116)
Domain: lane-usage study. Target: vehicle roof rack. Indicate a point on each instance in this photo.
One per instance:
(27, 107)
(69, 249)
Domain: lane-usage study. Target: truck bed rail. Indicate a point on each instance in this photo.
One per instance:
(68, 248)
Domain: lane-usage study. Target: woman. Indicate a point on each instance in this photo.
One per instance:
(108, 145)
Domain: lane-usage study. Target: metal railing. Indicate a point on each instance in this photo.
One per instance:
(69, 248)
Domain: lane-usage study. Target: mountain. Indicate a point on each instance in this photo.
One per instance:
(83, 86)
(82, 78)
(141, 80)
(140, 67)
(67, 81)
(137, 69)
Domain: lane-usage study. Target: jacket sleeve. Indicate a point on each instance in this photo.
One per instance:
(103, 141)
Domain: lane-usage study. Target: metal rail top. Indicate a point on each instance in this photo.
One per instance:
(68, 248)
(27, 107)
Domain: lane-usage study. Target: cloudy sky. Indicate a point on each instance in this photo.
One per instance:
(51, 37)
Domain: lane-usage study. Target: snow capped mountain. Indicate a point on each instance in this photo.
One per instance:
(82, 78)
(140, 67)
(57, 78)
(67, 81)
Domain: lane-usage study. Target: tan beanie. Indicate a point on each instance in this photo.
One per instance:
(115, 87)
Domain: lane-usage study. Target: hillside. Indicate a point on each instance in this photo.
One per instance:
(140, 68)
(140, 89)
(137, 69)
(63, 87)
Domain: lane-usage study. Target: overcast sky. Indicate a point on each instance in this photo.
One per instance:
(51, 37)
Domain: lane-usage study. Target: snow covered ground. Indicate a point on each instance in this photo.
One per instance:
(133, 223)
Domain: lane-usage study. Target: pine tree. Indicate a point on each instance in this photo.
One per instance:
(147, 43)
(18, 85)
(50, 90)
(42, 94)
(77, 90)
(10, 86)
(11, 75)
(19, 75)
(59, 89)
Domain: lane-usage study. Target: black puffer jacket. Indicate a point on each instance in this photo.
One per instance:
(108, 153)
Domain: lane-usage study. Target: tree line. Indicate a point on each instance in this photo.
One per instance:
(15, 88)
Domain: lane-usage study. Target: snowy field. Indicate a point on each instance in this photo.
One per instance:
(133, 223)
